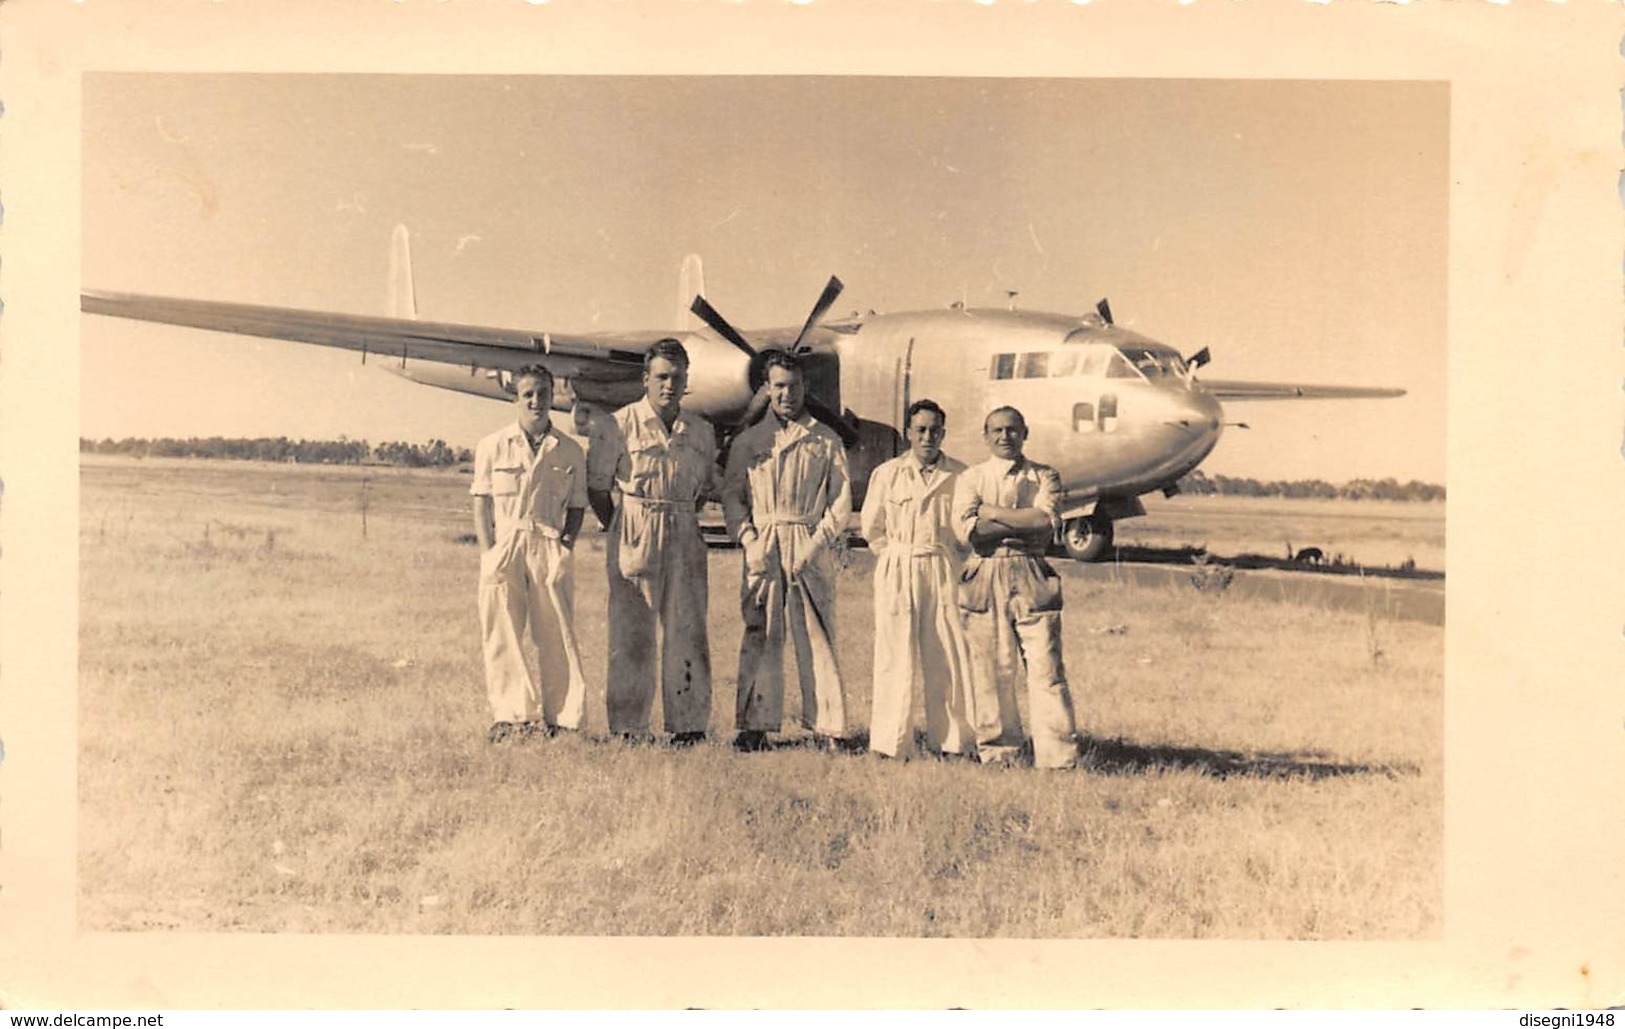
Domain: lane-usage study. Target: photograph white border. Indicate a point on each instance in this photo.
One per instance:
(1535, 726)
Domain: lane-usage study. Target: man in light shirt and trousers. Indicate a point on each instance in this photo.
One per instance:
(663, 462)
(920, 641)
(1005, 510)
(786, 498)
(530, 492)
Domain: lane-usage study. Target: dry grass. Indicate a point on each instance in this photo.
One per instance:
(281, 729)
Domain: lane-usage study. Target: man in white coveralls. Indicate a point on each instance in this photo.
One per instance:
(663, 462)
(1005, 510)
(786, 498)
(919, 635)
(530, 491)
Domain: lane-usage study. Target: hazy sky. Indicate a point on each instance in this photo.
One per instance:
(1298, 229)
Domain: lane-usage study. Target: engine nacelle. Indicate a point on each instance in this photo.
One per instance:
(481, 382)
(718, 378)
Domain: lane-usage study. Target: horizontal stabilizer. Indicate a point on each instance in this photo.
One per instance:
(1231, 389)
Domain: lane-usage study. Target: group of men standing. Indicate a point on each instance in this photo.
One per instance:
(965, 602)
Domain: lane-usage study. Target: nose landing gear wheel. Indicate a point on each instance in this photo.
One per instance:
(1087, 538)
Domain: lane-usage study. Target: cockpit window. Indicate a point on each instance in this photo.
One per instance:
(1086, 362)
(1118, 367)
(1155, 364)
(1034, 365)
(1093, 362)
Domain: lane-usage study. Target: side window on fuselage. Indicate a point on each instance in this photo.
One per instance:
(1108, 413)
(1003, 366)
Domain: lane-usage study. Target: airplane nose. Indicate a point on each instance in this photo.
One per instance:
(1197, 412)
(1202, 419)
(1208, 413)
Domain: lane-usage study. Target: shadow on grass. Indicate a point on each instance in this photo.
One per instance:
(1099, 756)
(1181, 557)
(1185, 557)
(1120, 757)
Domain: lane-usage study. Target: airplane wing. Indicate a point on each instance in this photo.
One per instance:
(1235, 389)
(594, 364)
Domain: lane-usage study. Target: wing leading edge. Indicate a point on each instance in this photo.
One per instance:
(607, 359)
(1235, 389)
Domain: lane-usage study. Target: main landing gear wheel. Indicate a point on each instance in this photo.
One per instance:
(1087, 538)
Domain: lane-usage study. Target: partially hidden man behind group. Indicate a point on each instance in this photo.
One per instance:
(965, 604)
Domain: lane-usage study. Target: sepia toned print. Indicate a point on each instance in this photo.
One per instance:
(276, 782)
(361, 779)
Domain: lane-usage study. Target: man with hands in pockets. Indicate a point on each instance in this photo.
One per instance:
(530, 492)
(786, 498)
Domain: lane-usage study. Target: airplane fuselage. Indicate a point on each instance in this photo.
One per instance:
(1115, 413)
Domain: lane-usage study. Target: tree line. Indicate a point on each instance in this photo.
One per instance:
(436, 453)
(1199, 483)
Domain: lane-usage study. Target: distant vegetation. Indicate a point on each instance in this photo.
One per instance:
(434, 454)
(1199, 483)
(438, 454)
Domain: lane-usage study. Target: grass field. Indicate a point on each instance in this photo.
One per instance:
(1374, 533)
(282, 729)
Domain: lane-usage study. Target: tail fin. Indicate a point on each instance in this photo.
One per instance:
(690, 284)
(403, 301)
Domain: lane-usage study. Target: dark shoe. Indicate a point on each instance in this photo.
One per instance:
(750, 740)
(687, 739)
(501, 731)
(834, 744)
(535, 730)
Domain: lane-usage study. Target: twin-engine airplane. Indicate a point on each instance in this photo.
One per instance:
(1118, 415)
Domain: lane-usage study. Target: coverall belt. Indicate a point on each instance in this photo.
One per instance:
(927, 550)
(659, 502)
(808, 521)
(538, 528)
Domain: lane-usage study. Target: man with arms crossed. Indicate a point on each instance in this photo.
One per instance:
(663, 460)
(1005, 511)
(919, 637)
(786, 498)
(530, 491)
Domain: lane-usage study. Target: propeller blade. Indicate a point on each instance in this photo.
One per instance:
(1105, 311)
(713, 318)
(832, 289)
(816, 408)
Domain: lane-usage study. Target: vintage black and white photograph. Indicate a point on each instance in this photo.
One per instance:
(762, 505)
